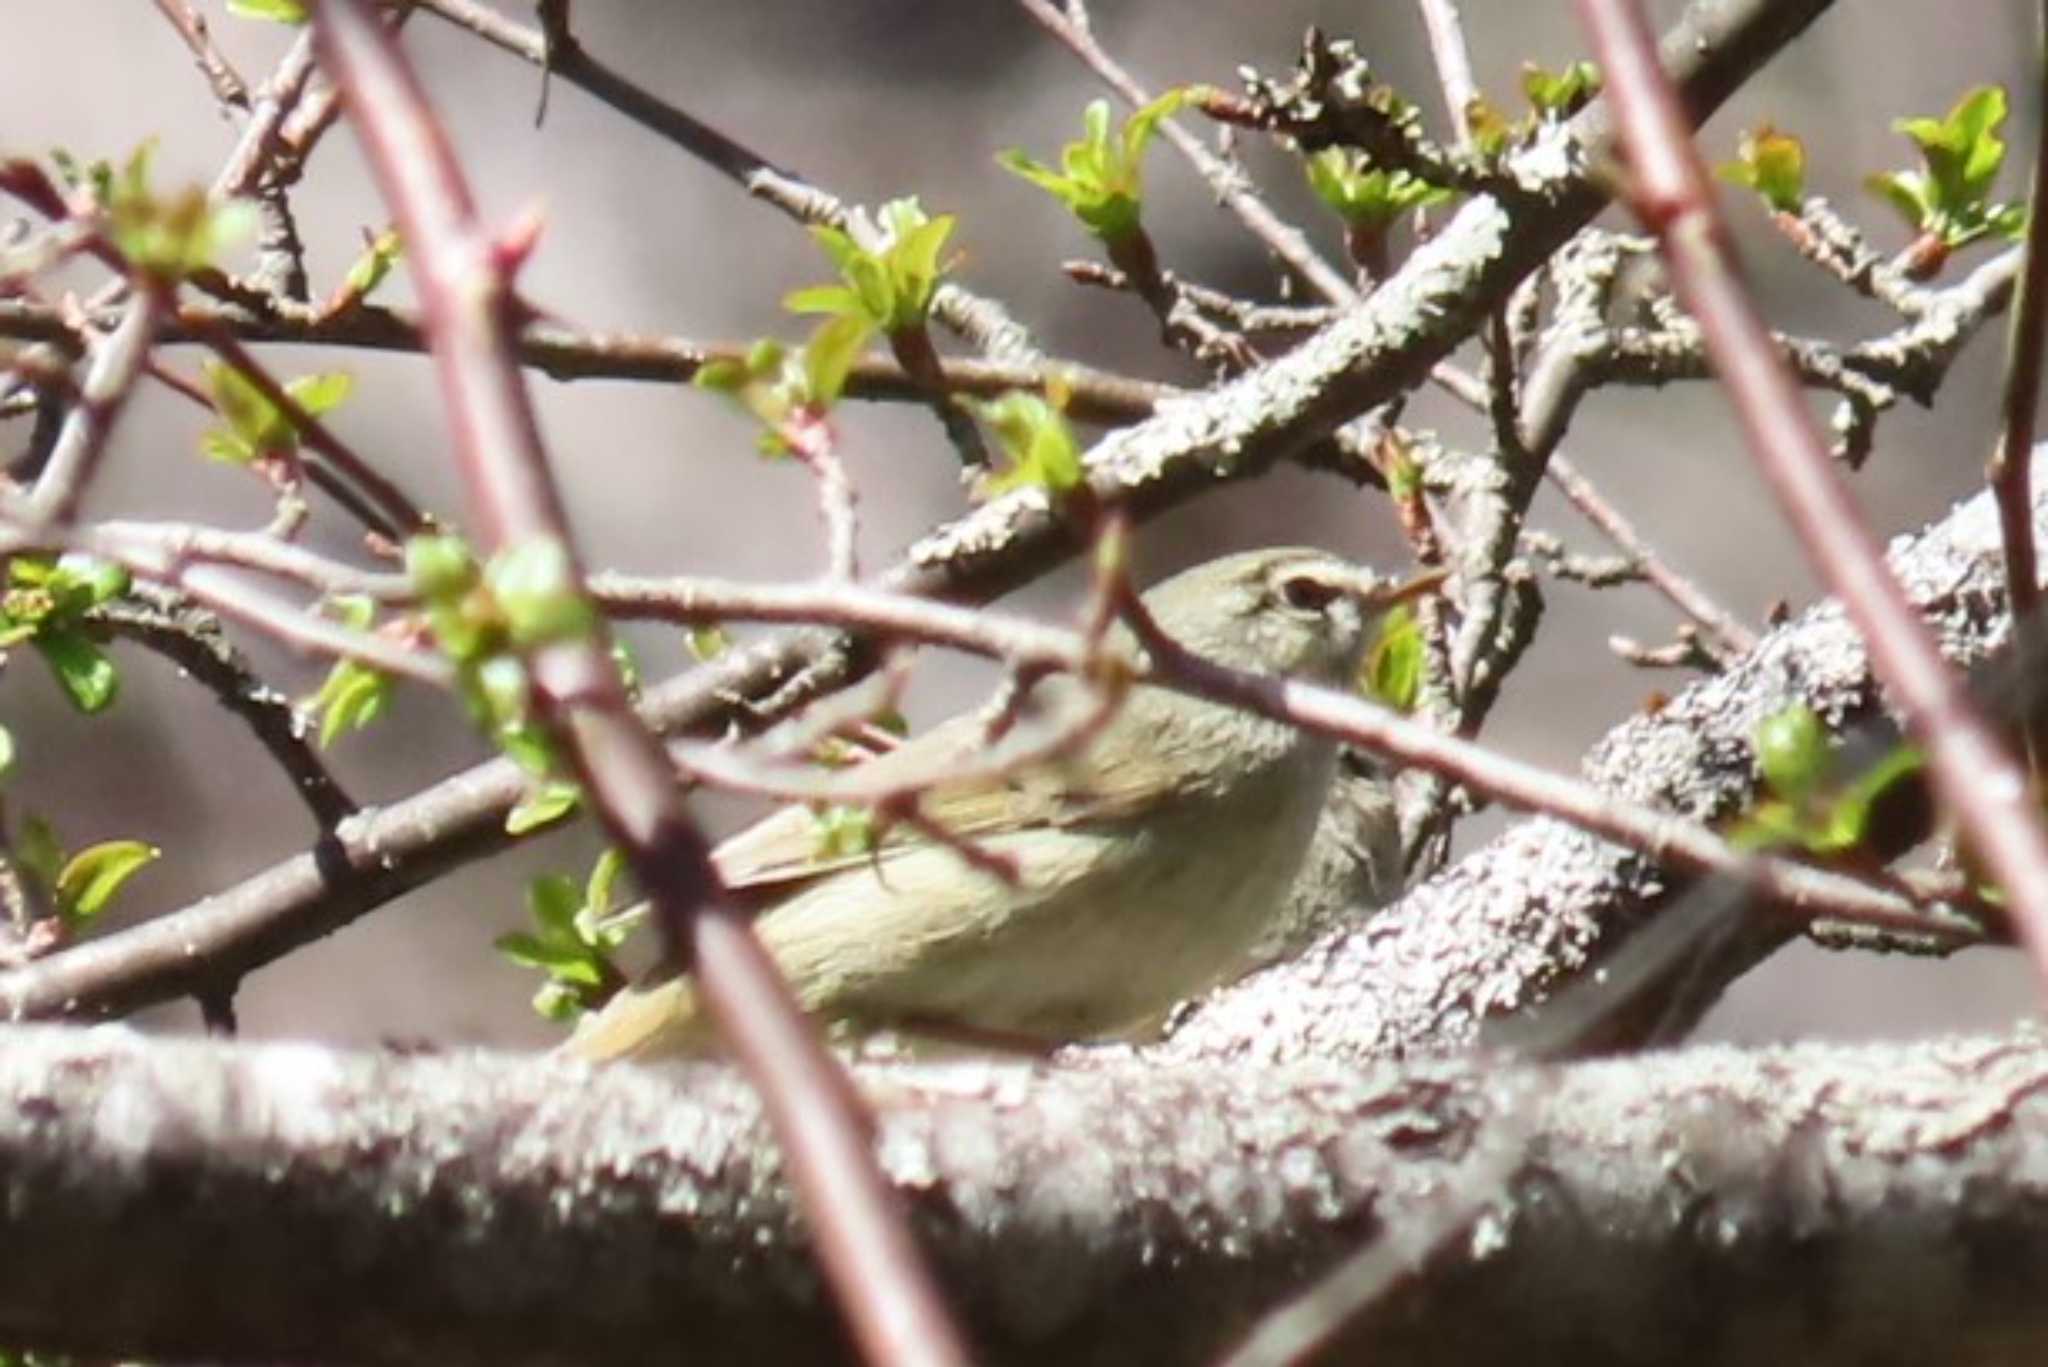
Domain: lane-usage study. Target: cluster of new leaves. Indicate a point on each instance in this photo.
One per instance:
(1949, 198)
(1101, 178)
(353, 694)
(164, 238)
(889, 286)
(482, 617)
(1946, 202)
(576, 931)
(1553, 97)
(1771, 163)
(80, 884)
(46, 605)
(256, 429)
(1366, 196)
(1033, 435)
(789, 392)
(485, 618)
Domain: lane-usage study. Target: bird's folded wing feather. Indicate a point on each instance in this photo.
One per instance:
(1102, 783)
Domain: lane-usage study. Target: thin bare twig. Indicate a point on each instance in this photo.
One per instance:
(1283, 239)
(275, 101)
(117, 362)
(2011, 470)
(1453, 64)
(1095, 396)
(405, 516)
(1729, 634)
(192, 640)
(228, 87)
(981, 320)
(1973, 772)
(148, 543)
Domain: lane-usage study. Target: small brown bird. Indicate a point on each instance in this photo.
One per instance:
(1151, 864)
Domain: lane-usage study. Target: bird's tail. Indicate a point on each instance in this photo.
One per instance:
(662, 1021)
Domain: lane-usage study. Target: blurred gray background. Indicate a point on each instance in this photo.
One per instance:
(875, 100)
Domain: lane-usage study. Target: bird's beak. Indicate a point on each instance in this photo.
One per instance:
(1385, 595)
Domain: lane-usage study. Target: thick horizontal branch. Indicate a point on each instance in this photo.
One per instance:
(236, 1202)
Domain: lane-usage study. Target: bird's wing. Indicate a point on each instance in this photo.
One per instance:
(1104, 782)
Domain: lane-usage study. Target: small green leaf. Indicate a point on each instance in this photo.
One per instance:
(1559, 95)
(225, 448)
(1364, 195)
(84, 581)
(721, 375)
(820, 299)
(526, 950)
(351, 697)
(1907, 192)
(88, 678)
(257, 425)
(1101, 180)
(374, 265)
(547, 804)
(1771, 163)
(91, 878)
(319, 394)
(1394, 664)
(552, 900)
(1034, 434)
(535, 585)
(604, 876)
(276, 11)
(830, 354)
(1859, 797)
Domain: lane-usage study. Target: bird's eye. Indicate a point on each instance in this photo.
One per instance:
(1308, 592)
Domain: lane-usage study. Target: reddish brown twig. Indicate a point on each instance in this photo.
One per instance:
(1972, 771)
(1453, 63)
(228, 87)
(2011, 471)
(464, 282)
